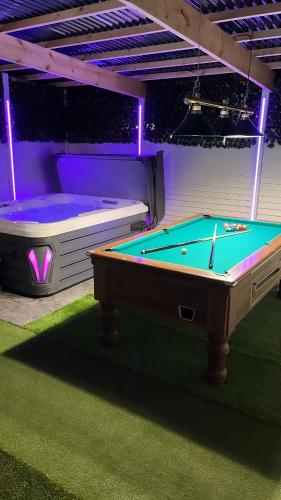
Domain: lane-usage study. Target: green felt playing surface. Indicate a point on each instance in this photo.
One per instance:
(228, 251)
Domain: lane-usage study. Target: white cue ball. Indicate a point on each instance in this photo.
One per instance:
(184, 251)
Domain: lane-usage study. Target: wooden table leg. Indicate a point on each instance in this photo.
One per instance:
(218, 350)
(109, 333)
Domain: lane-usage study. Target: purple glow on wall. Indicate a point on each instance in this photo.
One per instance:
(46, 264)
(140, 122)
(33, 260)
(10, 143)
(259, 151)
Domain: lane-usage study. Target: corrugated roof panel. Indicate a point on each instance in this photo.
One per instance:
(263, 44)
(13, 10)
(209, 6)
(90, 24)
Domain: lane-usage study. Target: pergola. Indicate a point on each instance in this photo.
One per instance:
(119, 45)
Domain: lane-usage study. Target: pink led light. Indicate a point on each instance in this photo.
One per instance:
(10, 141)
(140, 128)
(261, 128)
(33, 260)
(47, 260)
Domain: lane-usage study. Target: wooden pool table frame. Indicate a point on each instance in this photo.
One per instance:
(186, 295)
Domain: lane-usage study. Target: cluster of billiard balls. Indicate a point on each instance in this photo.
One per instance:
(234, 227)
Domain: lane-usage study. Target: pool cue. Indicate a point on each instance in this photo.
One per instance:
(191, 242)
(211, 260)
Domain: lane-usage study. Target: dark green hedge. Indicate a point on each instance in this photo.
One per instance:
(96, 116)
(99, 116)
(165, 108)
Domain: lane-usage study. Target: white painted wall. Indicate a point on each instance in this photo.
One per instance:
(5, 181)
(269, 207)
(217, 181)
(35, 173)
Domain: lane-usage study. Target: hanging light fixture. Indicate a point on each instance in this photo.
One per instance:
(195, 124)
(224, 126)
(245, 128)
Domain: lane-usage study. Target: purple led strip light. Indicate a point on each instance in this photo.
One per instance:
(47, 260)
(10, 141)
(140, 123)
(261, 127)
(33, 260)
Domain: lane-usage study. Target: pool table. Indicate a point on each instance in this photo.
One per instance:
(178, 284)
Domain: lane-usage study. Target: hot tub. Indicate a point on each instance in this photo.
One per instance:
(44, 240)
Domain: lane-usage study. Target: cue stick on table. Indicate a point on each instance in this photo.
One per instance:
(191, 242)
(211, 261)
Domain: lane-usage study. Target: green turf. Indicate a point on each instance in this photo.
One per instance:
(179, 358)
(20, 482)
(103, 432)
(99, 431)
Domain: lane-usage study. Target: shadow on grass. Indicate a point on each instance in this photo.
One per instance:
(71, 351)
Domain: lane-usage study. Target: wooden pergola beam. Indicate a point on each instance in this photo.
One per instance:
(62, 16)
(33, 56)
(245, 13)
(184, 21)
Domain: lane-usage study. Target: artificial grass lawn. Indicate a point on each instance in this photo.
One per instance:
(180, 358)
(101, 431)
(18, 481)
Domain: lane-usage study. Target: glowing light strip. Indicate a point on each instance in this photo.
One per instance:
(10, 142)
(33, 260)
(46, 264)
(140, 123)
(261, 127)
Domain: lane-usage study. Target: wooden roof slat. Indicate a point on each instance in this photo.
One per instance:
(61, 16)
(168, 63)
(185, 74)
(245, 13)
(258, 35)
(183, 20)
(32, 55)
(137, 51)
(102, 36)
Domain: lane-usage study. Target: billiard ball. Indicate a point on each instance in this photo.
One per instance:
(184, 251)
